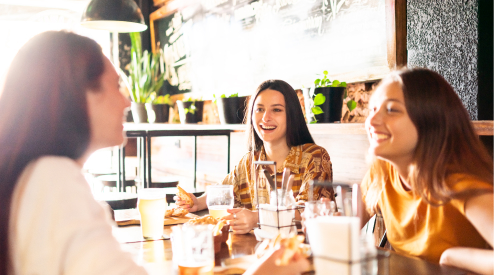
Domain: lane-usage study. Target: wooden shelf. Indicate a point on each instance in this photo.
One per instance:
(484, 128)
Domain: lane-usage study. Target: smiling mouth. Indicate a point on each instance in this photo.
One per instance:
(379, 136)
(268, 127)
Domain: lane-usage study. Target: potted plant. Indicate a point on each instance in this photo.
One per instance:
(328, 100)
(191, 110)
(158, 108)
(231, 108)
(144, 78)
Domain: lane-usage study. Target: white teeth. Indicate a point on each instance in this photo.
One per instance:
(379, 136)
(268, 127)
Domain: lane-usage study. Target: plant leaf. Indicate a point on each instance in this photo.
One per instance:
(325, 72)
(313, 122)
(343, 84)
(319, 99)
(335, 83)
(317, 82)
(316, 110)
(351, 105)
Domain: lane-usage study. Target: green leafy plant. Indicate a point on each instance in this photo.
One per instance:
(192, 107)
(165, 99)
(144, 72)
(325, 82)
(235, 95)
(320, 98)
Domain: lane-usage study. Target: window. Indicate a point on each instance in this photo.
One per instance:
(22, 19)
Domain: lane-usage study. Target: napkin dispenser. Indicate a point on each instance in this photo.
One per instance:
(276, 215)
(335, 243)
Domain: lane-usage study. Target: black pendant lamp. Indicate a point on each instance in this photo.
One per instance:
(122, 16)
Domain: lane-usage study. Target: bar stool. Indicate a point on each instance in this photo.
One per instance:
(118, 201)
(110, 180)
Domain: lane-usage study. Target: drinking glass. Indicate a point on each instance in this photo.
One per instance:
(219, 198)
(326, 208)
(311, 210)
(151, 206)
(193, 249)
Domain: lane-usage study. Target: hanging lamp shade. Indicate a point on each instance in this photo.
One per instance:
(123, 16)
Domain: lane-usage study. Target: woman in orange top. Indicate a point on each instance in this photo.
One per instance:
(432, 179)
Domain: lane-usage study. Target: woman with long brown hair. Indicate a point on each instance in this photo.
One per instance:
(61, 102)
(277, 131)
(431, 178)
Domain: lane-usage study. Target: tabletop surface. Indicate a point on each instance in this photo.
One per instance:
(237, 254)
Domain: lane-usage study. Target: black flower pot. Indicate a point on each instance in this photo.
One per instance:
(158, 113)
(190, 118)
(139, 113)
(232, 110)
(332, 107)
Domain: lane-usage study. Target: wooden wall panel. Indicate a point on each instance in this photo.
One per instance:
(347, 153)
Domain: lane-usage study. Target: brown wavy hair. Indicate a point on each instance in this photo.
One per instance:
(447, 142)
(297, 131)
(44, 110)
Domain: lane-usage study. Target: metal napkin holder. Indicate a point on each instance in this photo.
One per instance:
(278, 211)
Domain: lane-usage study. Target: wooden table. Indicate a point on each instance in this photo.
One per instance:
(156, 256)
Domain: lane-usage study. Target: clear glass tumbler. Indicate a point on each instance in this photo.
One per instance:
(193, 249)
(151, 206)
(219, 198)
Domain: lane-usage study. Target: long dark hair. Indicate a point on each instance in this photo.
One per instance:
(297, 130)
(447, 142)
(44, 110)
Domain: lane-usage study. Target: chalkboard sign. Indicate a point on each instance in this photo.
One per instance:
(231, 46)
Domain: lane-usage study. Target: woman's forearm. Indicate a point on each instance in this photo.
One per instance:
(202, 202)
(473, 259)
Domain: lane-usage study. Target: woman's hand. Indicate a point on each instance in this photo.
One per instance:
(266, 265)
(242, 220)
(182, 204)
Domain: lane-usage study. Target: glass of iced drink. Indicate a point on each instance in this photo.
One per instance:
(193, 249)
(219, 198)
(151, 206)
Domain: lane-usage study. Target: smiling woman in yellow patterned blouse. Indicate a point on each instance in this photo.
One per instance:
(277, 132)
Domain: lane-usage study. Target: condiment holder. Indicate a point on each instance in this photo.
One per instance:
(278, 215)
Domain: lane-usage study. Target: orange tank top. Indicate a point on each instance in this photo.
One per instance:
(417, 228)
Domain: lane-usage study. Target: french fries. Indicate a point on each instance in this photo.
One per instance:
(203, 220)
(209, 220)
(293, 245)
(218, 228)
(176, 212)
(291, 248)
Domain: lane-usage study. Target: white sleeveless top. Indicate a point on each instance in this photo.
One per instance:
(56, 226)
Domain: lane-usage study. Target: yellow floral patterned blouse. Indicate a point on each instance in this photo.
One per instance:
(306, 162)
